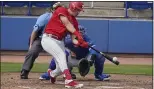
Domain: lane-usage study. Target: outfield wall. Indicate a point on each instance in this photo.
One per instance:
(114, 36)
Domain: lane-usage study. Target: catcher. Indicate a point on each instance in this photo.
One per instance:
(83, 58)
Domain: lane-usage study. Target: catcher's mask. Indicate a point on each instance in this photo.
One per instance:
(83, 67)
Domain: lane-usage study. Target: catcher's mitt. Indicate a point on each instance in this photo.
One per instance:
(83, 67)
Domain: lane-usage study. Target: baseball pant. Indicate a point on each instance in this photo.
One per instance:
(55, 48)
(32, 54)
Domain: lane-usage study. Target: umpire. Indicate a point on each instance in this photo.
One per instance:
(35, 41)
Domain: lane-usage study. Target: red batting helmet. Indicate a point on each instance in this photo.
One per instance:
(76, 6)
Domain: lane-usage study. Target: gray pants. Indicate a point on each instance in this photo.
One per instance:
(32, 54)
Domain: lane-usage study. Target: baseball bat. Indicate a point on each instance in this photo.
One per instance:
(106, 56)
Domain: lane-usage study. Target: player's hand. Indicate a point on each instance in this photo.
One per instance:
(78, 36)
(80, 40)
(84, 44)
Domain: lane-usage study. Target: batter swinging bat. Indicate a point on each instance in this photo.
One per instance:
(113, 60)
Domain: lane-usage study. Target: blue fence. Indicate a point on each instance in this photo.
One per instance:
(15, 33)
(98, 31)
(116, 36)
(137, 5)
(130, 36)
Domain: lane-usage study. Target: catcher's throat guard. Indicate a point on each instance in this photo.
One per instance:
(84, 67)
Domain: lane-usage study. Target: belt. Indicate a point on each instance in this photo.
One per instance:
(53, 36)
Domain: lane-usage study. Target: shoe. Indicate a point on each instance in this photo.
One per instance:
(44, 76)
(52, 79)
(102, 77)
(106, 75)
(41, 78)
(24, 74)
(71, 83)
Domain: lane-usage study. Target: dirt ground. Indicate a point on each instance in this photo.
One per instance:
(13, 81)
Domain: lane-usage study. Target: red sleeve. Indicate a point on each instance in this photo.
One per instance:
(62, 11)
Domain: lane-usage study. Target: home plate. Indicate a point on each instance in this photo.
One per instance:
(107, 87)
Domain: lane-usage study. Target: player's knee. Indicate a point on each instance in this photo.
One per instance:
(33, 52)
(63, 55)
(100, 60)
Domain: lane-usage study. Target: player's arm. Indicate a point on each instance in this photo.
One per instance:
(70, 27)
(32, 37)
(39, 24)
(67, 24)
(72, 30)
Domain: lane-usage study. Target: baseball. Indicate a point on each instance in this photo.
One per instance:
(115, 58)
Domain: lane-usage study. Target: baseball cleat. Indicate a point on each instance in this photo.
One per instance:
(71, 83)
(24, 74)
(103, 77)
(44, 76)
(52, 79)
(41, 78)
(106, 75)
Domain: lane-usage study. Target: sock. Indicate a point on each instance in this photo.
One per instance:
(67, 74)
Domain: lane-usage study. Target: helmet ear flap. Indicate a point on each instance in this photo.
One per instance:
(72, 6)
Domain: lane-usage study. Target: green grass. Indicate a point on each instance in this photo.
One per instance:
(109, 68)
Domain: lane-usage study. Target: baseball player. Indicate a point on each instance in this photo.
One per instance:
(35, 42)
(63, 22)
(82, 53)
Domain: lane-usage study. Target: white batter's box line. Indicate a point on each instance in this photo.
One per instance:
(26, 87)
(108, 87)
(134, 87)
